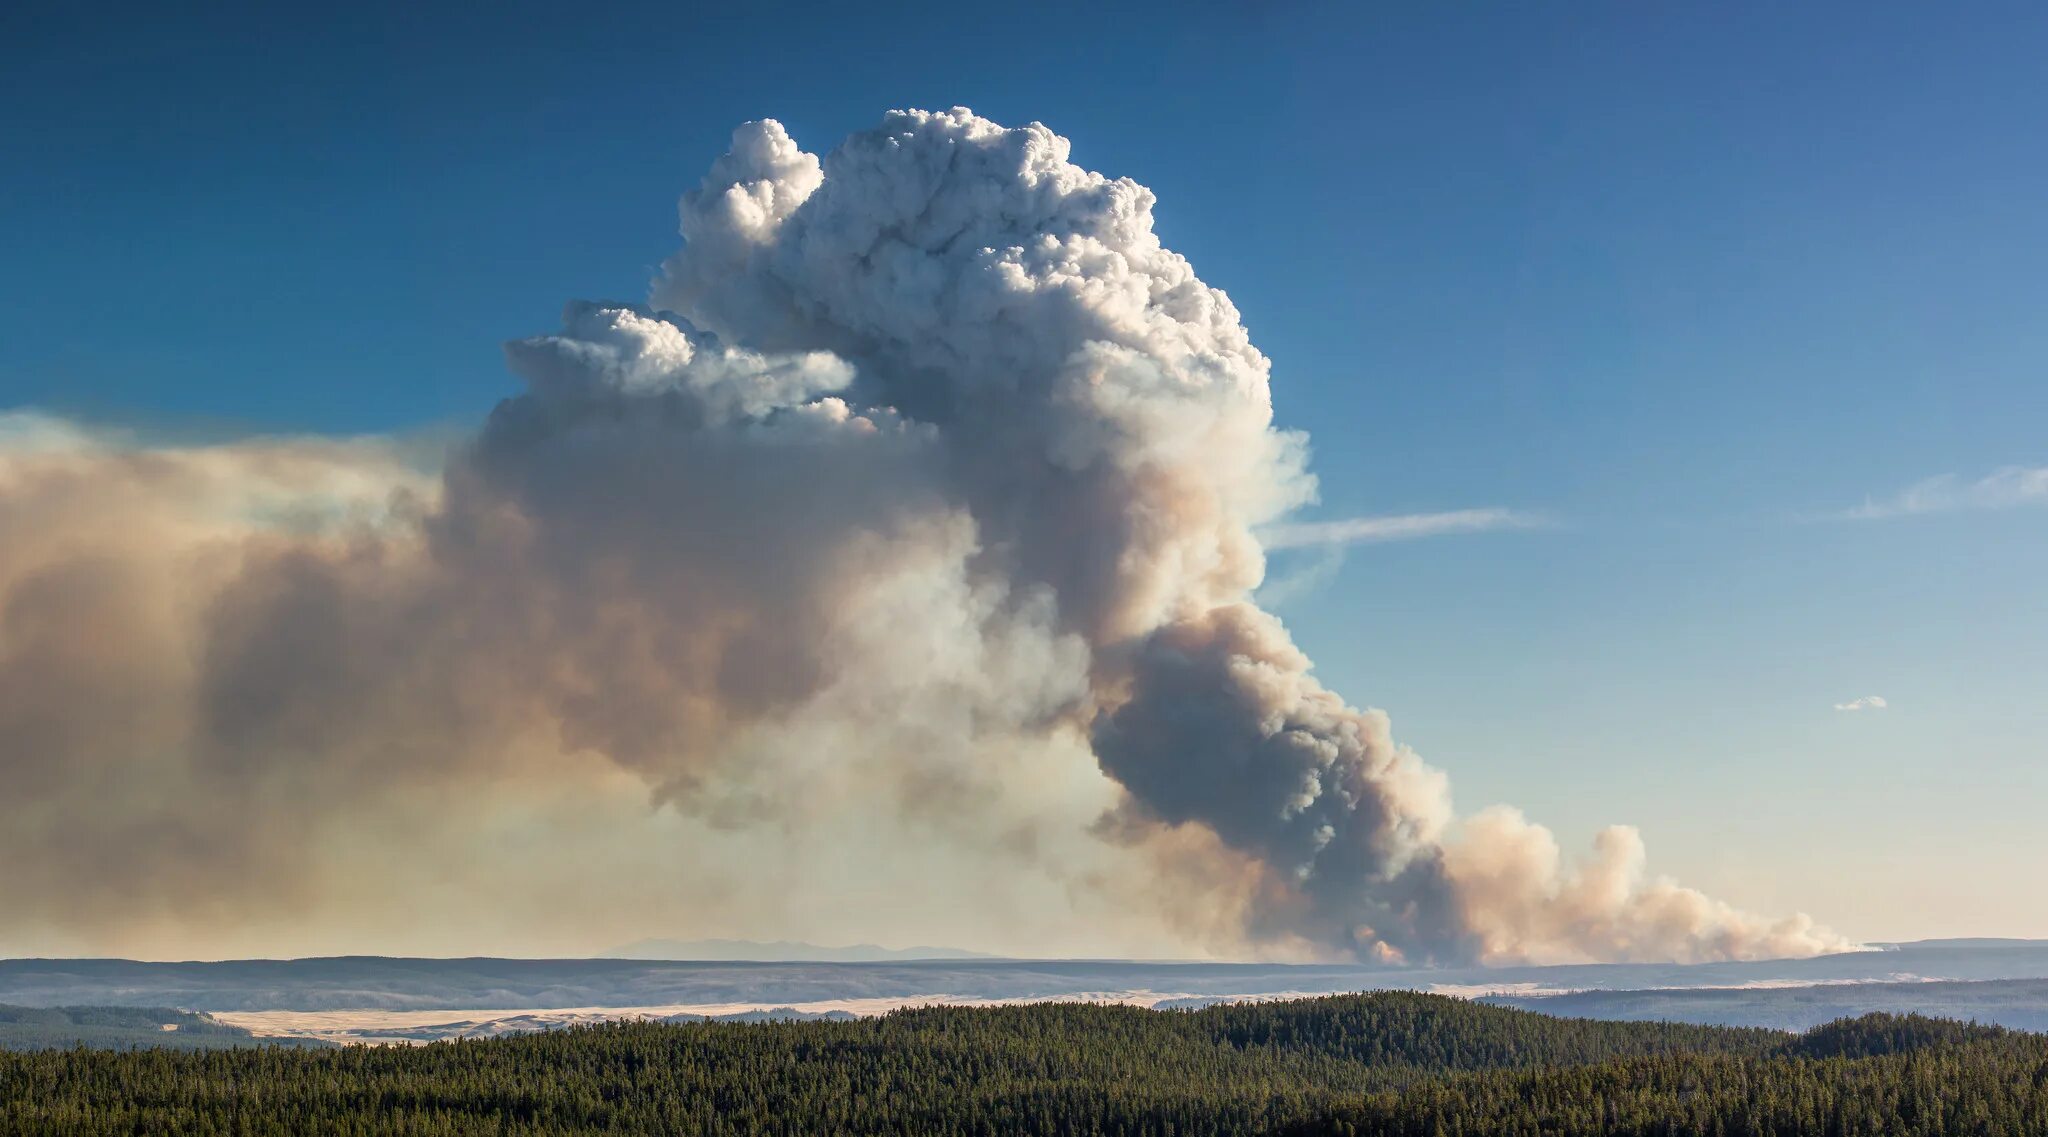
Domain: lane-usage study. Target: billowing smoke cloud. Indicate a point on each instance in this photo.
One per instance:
(926, 486)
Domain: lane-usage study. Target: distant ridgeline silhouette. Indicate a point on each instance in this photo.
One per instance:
(778, 951)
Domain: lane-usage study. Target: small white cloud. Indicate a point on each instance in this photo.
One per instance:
(2007, 488)
(1396, 527)
(1865, 703)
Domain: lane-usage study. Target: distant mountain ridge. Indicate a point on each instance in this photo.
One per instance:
(1901, 978)
(777, 951)
(1963, 942)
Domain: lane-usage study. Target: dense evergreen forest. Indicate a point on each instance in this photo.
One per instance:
(1389, 1062)
(43, 1028)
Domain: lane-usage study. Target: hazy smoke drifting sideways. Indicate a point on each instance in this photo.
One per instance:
(926, 469)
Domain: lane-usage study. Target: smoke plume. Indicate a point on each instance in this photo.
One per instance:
(907, 535)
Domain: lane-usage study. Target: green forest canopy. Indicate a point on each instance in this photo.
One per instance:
(1386, 1062)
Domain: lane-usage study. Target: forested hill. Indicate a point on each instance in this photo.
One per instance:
(43, 1028)
(1378, 1063)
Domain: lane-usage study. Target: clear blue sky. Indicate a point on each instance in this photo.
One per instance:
(1691, 280)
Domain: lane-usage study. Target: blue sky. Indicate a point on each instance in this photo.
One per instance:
(1691, 282)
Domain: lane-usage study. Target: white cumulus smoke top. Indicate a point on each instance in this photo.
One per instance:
(927, 482)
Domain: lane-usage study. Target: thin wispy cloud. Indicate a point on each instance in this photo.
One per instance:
(1394, 527)
(32, 432)
(1303, 580)
(1865, 703)
(2007, 488)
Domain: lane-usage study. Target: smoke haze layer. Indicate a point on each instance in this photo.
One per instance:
(901, 547)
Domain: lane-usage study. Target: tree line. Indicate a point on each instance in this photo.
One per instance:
(1381, 1063)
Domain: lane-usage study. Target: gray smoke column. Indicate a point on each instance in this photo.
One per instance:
(927, 482)
(1106, 421)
